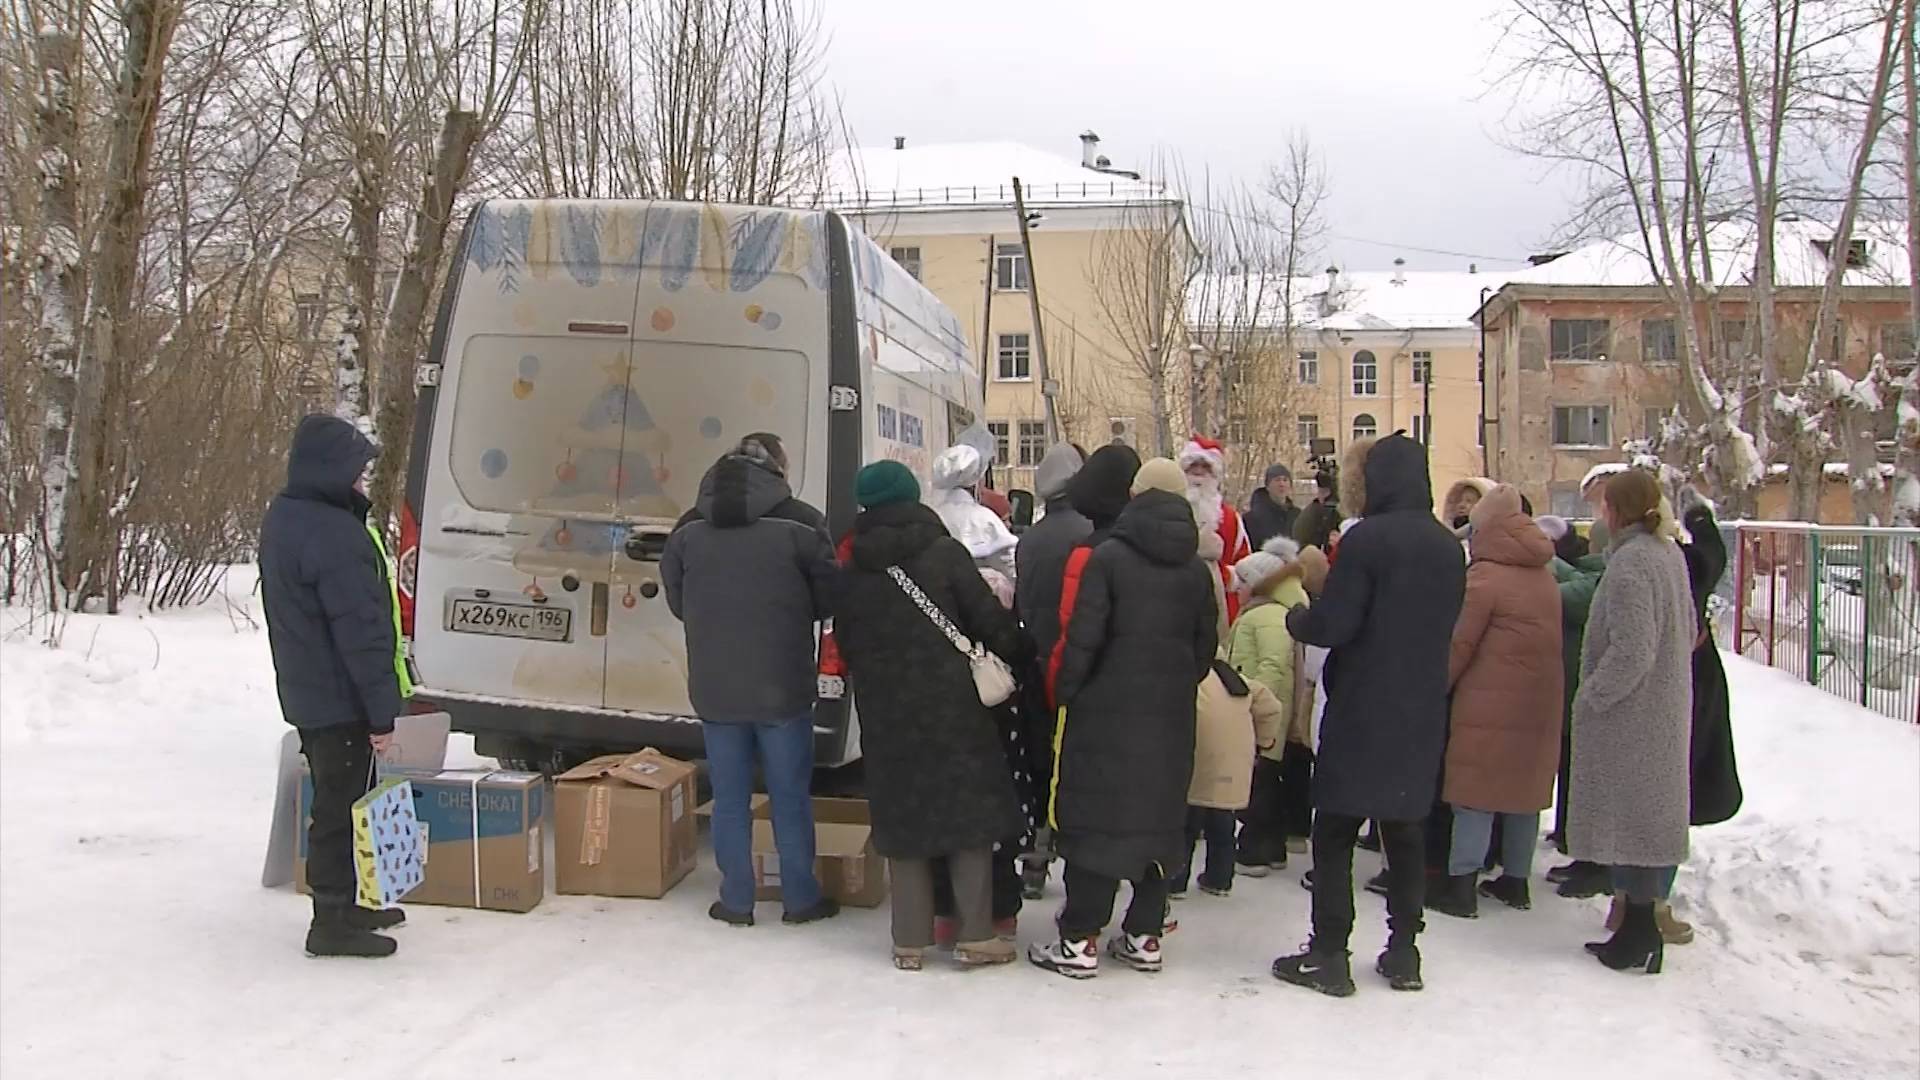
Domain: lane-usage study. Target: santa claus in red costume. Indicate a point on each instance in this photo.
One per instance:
(1223, 539)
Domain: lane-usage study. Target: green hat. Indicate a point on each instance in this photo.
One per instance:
(884, 483)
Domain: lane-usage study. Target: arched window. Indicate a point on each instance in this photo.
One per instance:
(1366, 374)
(1364, 426)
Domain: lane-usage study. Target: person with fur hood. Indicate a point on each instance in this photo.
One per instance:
(1462, 496)
(1503, 745)
(1272, 582)
(956, 473)
(1223, 535)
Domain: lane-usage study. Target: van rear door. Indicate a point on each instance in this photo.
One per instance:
(519, 554)
(729, 339)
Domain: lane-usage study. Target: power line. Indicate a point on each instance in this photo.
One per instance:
(1517, 259)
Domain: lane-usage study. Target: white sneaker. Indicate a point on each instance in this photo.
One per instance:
(1140, 952)
(1074, 959)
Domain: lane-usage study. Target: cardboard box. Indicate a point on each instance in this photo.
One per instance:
(505, 870)
(624, 826)
(849, 869)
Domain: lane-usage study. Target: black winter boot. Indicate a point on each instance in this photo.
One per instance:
(366, 919)
(1509, 890)
(1456, 897)
(1637, 944)
(333, 933)
(1584, 879)
(1328, 972)
(1400, 966)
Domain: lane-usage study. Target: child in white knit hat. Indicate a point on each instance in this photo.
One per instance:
(1271, 582)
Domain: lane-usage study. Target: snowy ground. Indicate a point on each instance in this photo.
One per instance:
(135, 941)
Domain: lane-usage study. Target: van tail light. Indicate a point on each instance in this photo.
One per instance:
(408, 567)
(833, 670)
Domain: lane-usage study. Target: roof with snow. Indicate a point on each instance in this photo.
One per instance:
(1354, 300)
(1800, 259)
(949, 175)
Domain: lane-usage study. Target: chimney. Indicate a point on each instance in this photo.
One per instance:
(899, 142)
(1089, 150)
(1399, 271)
(1473, 268)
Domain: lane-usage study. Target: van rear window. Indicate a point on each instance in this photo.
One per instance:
(564, 427)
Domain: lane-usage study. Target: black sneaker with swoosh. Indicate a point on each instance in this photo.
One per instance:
(1328, 973)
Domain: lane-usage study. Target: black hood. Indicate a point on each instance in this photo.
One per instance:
(1397, 477)
(1159, 525)
(1100, 490)
(739, 491)
(894, 534)
(325, 462)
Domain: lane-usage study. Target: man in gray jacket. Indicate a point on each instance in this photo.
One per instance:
(750, 572)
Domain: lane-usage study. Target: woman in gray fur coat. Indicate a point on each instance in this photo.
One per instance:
(1632, 719)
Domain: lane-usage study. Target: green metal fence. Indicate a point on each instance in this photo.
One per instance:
(1838, 606)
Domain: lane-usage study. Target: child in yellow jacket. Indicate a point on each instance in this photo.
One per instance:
(1273, 582)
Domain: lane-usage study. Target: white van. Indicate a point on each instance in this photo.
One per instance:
(590, 361)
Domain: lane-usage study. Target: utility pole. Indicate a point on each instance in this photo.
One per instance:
(1426, 408)
(1048, 390)
(987, 351)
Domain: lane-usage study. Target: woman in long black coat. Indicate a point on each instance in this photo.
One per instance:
(1140, 639)
(938, 783)
(1714, 776)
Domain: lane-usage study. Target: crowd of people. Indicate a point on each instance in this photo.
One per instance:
(1147, 686)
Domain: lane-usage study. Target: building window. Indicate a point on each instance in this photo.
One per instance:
(1307, 425)
(1364, 426)
(1033, 442)
(1856, 252)
(908, 258)
(1896, 344)
(1583, 425)
(999, 429)
(1420, 433)
(1309, 367)
(1422, 365)
(1564, 500)
(1733, 338)
(306, 315)
(1015, 358)
(1839, 342)
(1366, 374)
(1239, 432)
(1659, 341)
(1579, 339)
(1656, 419)
(1480, 430)
(1009, 267)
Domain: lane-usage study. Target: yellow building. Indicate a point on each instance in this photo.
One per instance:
(946, 213)
(1374, 352)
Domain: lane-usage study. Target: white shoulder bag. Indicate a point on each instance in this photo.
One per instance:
(992, 678)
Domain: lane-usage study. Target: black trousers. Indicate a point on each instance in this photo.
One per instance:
(1007, 899)
(1263, 839)
(1404, 844)
(340, 760)
(1089, 905)
(1296, 789)
(1566, 777)
(1216, 828)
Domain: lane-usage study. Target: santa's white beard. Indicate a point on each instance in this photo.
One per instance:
(1204, 497)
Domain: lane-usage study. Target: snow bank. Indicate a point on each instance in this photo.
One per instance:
(134, 799)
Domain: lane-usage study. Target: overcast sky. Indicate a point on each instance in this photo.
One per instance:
(1393, 92)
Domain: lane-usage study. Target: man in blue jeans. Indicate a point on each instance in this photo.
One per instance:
(750, 572)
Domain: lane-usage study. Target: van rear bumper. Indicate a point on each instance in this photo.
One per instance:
(610, 731)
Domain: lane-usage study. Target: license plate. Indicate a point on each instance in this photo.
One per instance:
(499, 618)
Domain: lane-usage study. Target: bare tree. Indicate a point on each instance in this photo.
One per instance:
(1139, 278)
(58, 288)
(1906, 469)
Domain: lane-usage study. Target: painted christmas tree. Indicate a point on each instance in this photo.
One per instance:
(616, 461)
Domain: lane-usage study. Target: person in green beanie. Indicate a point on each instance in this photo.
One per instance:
(938, 783)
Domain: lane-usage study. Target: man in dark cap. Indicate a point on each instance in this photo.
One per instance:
(1271, 512)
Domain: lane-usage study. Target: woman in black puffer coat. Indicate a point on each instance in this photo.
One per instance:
(1714, 776)
(937, 777)
(1140, 639)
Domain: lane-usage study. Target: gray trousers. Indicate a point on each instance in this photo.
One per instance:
(972, 873)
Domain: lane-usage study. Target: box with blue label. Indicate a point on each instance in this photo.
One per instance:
(503, 870)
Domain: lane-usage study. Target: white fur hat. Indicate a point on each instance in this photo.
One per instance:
(1554, 526)
(958, 467)
(1255, 570)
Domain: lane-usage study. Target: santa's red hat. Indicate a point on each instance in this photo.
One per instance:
(1199, 448)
